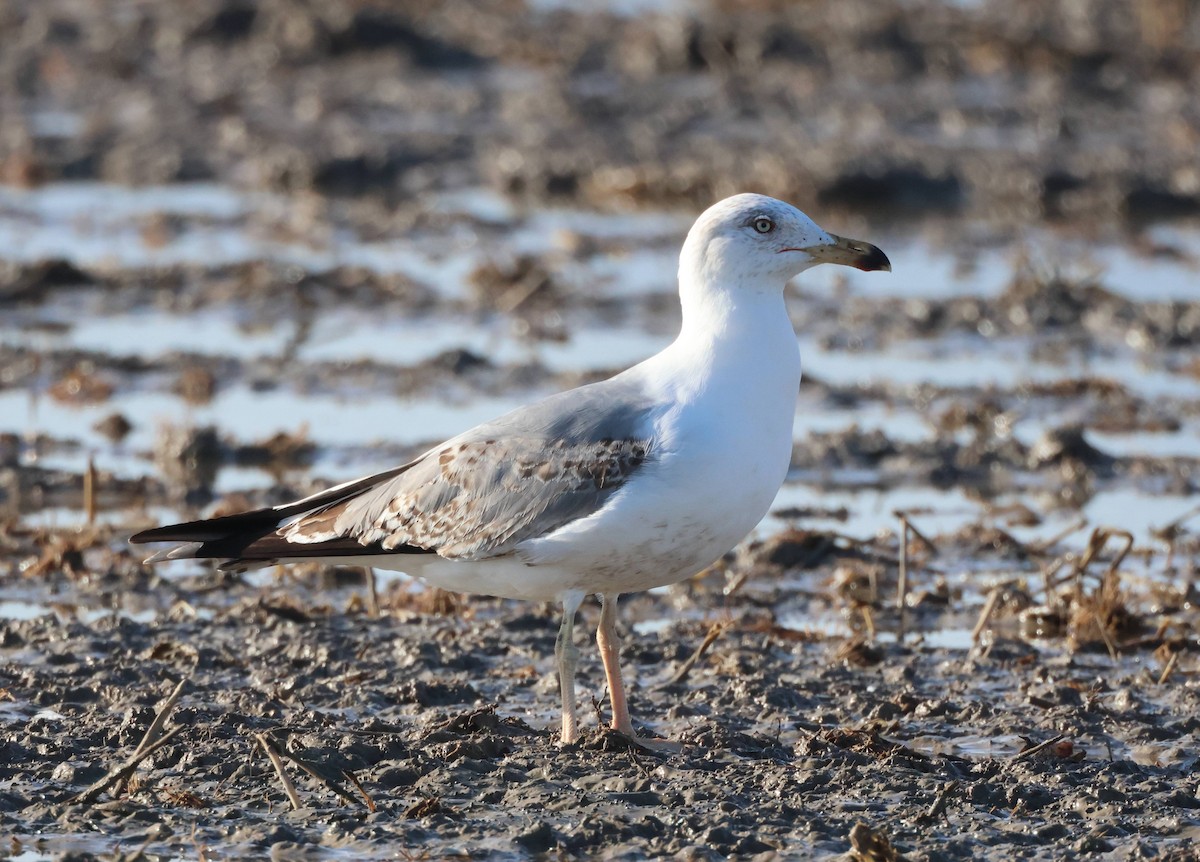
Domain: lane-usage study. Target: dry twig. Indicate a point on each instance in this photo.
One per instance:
(1046, 544)
(353, 779)
(714, 632)
(989, 608)
(372, 593)
(269, 747)
(124, 771)
(938, 808)
(156, 726)
(1170, 666)
(902, 584)
(1040, 747)
(89, 491)
(316, 773)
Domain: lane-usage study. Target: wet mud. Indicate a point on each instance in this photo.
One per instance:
(250, 250)
(430, 728)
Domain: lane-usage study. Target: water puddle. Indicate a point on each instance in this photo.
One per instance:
(50, 847)
(153, 333)
(904, 426)
(622, 8)
(871, 511)
(1143, 515)
(16, 610)
(958, 362)
(975, 747)
(951, 638)
(246, 414)
(69, 606)
(82, 204)
(805, 502)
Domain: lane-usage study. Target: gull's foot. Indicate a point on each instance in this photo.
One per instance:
(658, 746)
(608, 739)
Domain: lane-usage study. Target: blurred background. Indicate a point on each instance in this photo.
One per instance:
(250, 248)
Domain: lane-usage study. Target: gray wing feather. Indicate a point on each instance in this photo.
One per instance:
(521, 476)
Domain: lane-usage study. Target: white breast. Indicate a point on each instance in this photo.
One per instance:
(724, 442)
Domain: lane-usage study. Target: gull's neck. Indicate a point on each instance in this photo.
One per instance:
(724, 304)
(735, 333)
(718, 316)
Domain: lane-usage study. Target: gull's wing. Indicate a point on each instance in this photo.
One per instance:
(478, 495)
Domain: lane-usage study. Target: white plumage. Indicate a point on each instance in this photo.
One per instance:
(631, 483)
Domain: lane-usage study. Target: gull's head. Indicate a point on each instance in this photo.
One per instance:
(758, 243)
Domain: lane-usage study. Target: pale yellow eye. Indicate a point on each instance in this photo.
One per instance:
(762, 224)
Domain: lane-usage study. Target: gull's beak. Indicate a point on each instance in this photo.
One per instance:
(851, 252)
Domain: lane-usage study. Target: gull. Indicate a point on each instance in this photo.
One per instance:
(623, 485)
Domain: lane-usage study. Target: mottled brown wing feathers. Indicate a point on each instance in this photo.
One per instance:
(479, 498)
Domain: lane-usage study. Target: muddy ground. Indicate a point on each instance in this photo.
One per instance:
(428, 731)
(1035, 429)
(1005, 109)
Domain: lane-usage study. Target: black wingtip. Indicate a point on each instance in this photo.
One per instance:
(141, 538)
(157, 534)
(210, 529)
(193, 531)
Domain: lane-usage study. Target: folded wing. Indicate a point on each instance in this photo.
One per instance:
(476, 496)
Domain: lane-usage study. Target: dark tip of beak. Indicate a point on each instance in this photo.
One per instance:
(874, 260)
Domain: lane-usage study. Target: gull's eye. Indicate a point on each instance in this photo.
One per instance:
(762, 224)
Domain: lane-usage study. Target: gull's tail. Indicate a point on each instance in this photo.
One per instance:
(251, 540)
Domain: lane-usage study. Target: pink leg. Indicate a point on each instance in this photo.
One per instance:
(567, 655)
(610, 653)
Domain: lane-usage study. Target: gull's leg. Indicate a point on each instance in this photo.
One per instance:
(568, 656)
(610, 653)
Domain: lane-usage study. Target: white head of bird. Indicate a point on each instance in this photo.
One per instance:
(755, 242)
(751, 245)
